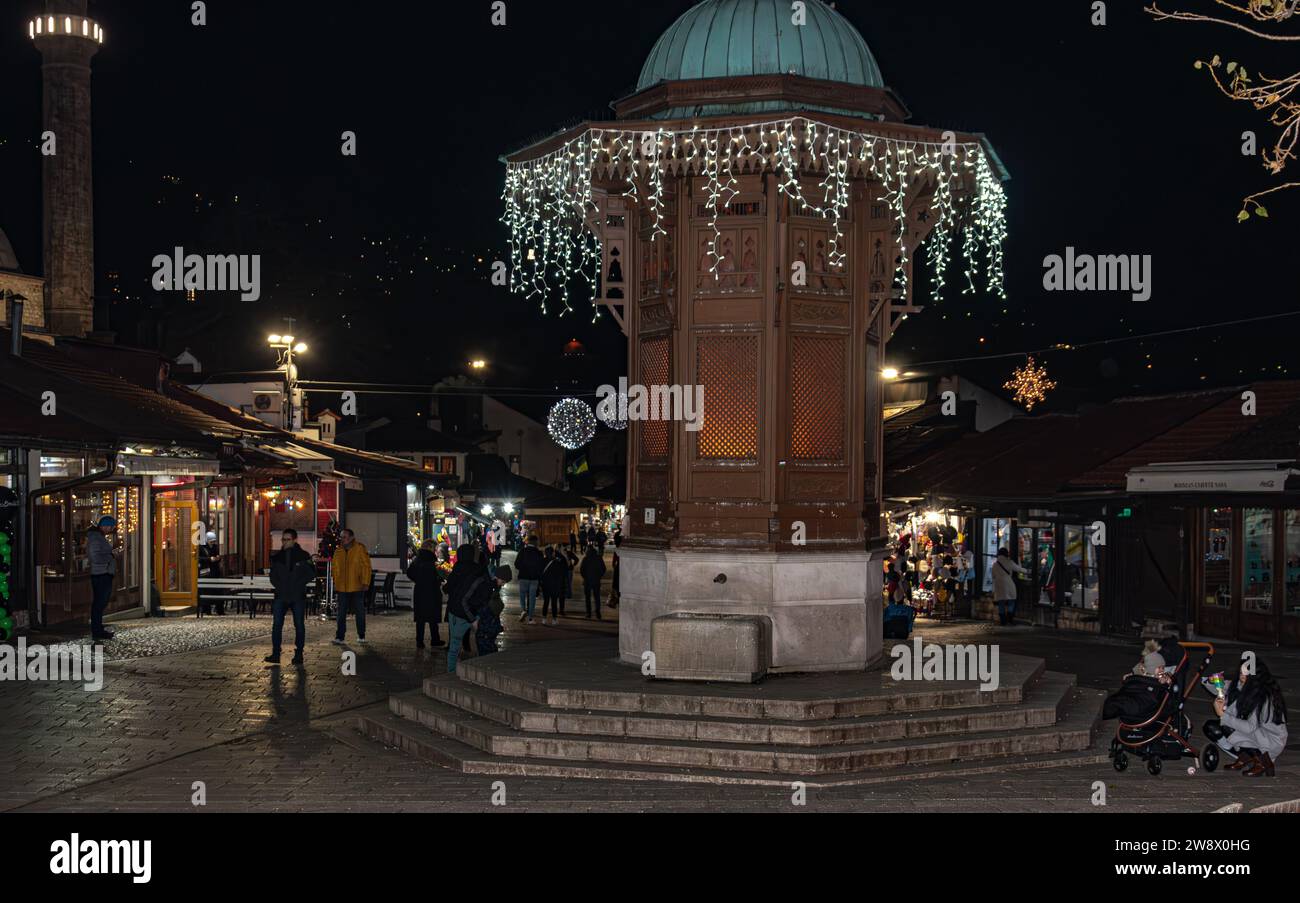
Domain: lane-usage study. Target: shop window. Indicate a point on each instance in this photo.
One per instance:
(1081, 575)
(377, 531)
(290, 509)
(1045, 555)
(1257, 576)
(997, 535)
(1292, 589)
(1218, 558)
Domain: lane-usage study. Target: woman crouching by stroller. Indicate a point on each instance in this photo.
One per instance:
(1252, 721)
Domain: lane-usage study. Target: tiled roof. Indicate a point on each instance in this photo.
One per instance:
(1037, 457)
(1209, 435)
(121, 408)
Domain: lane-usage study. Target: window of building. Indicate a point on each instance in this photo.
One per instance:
(1257, 575)
(1218, 558)
(1081, 577)
(1291, 603)
(997, 535)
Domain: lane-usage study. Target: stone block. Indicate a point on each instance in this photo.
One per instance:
(710, 647)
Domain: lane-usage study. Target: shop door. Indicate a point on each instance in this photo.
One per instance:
(176, 555)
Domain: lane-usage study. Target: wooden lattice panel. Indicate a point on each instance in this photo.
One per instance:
(655, 371)
(727, 367)
(817, 412)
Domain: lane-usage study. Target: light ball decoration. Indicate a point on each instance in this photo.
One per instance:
(571, 424)
(1029, 384)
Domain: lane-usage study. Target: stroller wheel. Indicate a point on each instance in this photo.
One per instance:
(1210, 757)
(1121, 761)
(1154, 764)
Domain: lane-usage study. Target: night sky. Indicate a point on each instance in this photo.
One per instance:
(226, 139)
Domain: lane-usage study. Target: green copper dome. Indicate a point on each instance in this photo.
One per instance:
(721, 38)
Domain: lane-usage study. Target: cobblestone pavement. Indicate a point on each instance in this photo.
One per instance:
(279, 739)
(168, 636)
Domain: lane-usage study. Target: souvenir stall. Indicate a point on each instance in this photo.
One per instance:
(926, 560)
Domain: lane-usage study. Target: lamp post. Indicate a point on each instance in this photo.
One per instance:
(288, 346)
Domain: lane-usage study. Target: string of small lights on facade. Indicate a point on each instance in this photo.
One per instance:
(549, 200)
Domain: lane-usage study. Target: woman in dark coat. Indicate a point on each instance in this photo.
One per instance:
(553, 574)
(424, 573)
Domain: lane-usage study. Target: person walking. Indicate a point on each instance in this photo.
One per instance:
(352, 572)
(1005, 589)
(103, 573)
(552, 585)
(582, 537)
(469, 593)
(593, 570)
(530, 564)
(427, 599)
(292, 572)
(613, 595)
(602, 539)
(570, 568)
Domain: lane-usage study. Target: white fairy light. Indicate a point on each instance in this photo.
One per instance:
(549, 204)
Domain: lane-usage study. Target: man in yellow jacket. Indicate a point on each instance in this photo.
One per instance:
(351, 580)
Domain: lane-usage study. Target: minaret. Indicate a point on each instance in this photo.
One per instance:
(67, 40)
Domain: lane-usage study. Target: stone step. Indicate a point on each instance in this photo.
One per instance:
(601, 684)
(380, 724)
(1072, 733)
(1040, 708)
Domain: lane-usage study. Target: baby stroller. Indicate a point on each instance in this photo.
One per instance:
(1153, 723)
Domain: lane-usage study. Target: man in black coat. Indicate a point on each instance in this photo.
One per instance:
(593, 571)
(292, 572)
(426, 576)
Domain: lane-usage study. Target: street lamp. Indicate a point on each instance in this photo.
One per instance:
(289, 346)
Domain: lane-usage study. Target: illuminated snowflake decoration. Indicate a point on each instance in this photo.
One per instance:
(1029, 384)
(571, 424)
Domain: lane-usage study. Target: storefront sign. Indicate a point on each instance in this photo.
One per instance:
(1208, 481)
(155, 465)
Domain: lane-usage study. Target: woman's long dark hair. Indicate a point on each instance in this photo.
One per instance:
(1261, 687)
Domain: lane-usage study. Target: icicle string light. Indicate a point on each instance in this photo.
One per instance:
(549, 205)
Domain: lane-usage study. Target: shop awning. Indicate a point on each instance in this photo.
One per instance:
(1213, 476)
(303, 460)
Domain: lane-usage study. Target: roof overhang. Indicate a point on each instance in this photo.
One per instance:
(303, 460)
(798, 90)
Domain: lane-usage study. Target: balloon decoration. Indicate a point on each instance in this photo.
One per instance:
(571, 424)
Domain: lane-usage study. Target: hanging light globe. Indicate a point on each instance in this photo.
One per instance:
(571, 424)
